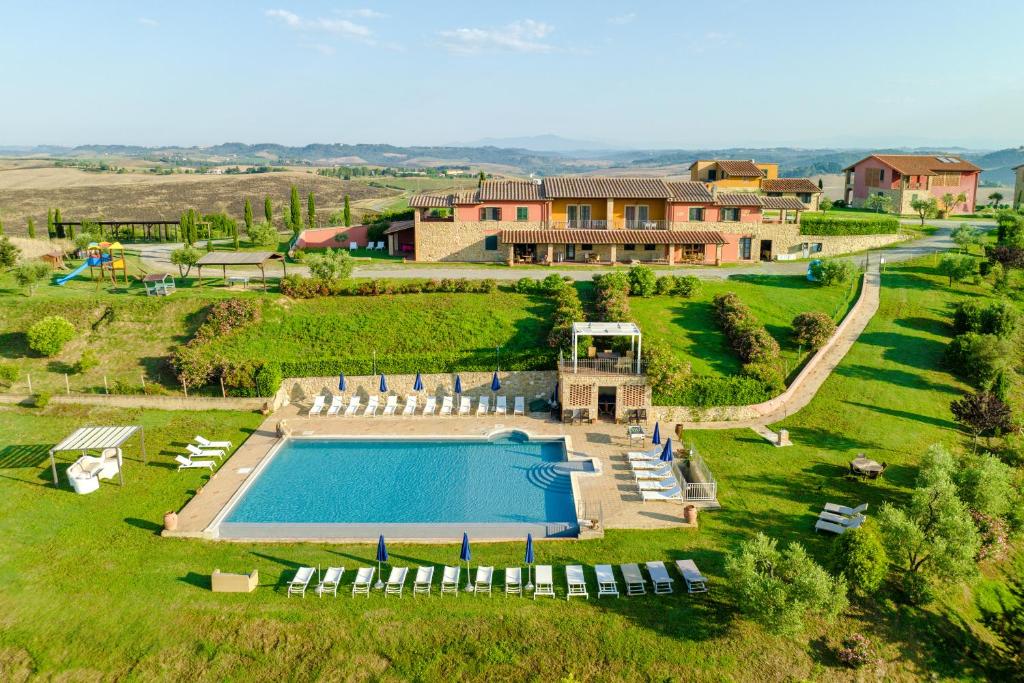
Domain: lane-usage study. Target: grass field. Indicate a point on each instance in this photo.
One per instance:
(81, 570)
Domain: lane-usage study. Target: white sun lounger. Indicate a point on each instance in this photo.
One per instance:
(500, 406)
(391, 405)
(635, 582)
(410, 406)
(545, 584)
(666, 484)
(317, 407)
(660, 579)
(519, 406)
(430, 406)
(483, 405)
(380, 245)
(646, 464)
(421, 584)
(335, 406)
(695, 581)
(329, 581)
(396, 582)
(187, 463)
(672, 495)
(484, 576)
(446, 405)
(371, 406)
(206, 443)
(606, 584)
(450, 580)
(353, 406)
(658, 474)
(839, 519)
(839, 509)
(576, 582)
(513, 581)
(352, 246)
(205, 452)
(651, 454)
(822, 525)
(299, 583)
(464, 405)
(364, 579)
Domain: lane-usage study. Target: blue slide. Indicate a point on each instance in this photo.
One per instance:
(73, 273)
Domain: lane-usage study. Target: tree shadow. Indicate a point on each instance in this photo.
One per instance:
(893, 376)
(907, 415)
(14, 345)
(777, 281)
(915, 352)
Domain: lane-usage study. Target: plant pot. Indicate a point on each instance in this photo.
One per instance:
(170, 520)
(690, 514)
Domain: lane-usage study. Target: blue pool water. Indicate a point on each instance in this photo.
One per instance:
(508, 480)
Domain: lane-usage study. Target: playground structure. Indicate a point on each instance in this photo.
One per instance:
(105, 256)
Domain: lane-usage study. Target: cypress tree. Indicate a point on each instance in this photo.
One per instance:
(248, 216)
(31, 227)
(268, 210)
(296, 210)
(69, 232)
(346, 213)
(311, 211)
(57, 219)
(49, 224)
(183, 228)
(1, 227)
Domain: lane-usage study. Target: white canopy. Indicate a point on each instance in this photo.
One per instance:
(96, 438)
(605, 330)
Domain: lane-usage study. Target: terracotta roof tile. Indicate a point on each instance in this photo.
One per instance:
(789, 185)
(739, 168)
(593, 187)
(922, 164)
(399, 226)
(430, 201)
(689, 191)
(738, 199)
(466, 197)
(783, 203)
(611, 237)
(510, 190)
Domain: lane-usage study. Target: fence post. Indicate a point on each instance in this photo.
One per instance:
(185, 387)
(143, 378)
(67, 384)
(106, 389)
(223, 393)
(28, 375)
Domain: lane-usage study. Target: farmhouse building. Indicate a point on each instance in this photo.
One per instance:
(905, 177)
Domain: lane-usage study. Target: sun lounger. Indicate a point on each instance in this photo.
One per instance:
(391, 405)
(695, 581)
(206, 443)
(329, 581)
(396, 582)
(576, 582)
(410, 406)
(430, 406)
(335, 406)
(519, 406)
(317, 407)
(352, 246)
(483, 405)
(380, 245)
(606, 584)
(446, 405)
(464, 405)
(635, 582)
(822, 525)
(545, 584)
(513, 581)
(484, 576)
(353, 406)
(500, 406)
(636, 465)
(421, 584)
(843, 510)
(658, 474)
(371, 406)
(666, 484)
(838, 519)
(187, 463)
(660, 579)
(673, 494)
(205, 452)
(450, 580)
(651, 454)
(364, 579)
(299, 583)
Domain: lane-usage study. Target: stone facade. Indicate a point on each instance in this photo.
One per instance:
(463, 240)
(581, 390)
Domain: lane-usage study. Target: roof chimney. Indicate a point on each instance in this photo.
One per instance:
(714, 192)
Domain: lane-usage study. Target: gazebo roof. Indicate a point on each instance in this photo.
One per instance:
(239, 258)
(96, 438)
(606, 329)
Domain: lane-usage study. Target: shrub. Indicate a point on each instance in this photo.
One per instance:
(49, 335)
(666, 284)
(86, 362)
(185, 258)
(487, 286)
(828, 272)
(525, 285)
(28, 273)
(747, 336)
(40, 400)
(263, 234)
(1000, 319)
(665, 372)
(967, 316)
(704, 391)
(553, 284)
(8, 252)
(192, 365)
(330, 266)
(860, 556)
(813, 329)
(615, 280)
(642, 281)
(855, 652)
(268, 379)
(8, 373)
(687, 286)
(568, 309)
(767, 374)
(978, 358)
(957, 267)
(819, 224)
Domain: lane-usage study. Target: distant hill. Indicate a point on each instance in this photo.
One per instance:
(545, 143)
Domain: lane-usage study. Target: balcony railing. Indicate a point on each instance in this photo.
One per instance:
(602, 366)
(580, 225)
(610, 225)
(642, 225)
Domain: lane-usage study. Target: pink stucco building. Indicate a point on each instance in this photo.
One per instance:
(905, 177)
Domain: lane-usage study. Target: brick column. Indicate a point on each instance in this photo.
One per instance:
(718, 254)
(610, 209)
(551, 253)
(511, 254)
(670, 250)
(614, 254)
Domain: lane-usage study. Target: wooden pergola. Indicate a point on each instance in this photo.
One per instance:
(115, 226)
(240, 258)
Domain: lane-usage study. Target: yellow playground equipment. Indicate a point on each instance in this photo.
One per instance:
(107, 256)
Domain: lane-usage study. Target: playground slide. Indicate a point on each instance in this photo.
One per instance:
(73, 273)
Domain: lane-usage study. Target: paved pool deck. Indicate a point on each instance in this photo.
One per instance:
(613, 491)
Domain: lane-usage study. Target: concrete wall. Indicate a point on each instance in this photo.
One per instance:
(326, 237)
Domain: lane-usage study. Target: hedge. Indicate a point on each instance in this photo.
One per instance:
(481, 360)
(706, 391)
(819, 224)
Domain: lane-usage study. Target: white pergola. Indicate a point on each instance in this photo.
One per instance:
(97, 438)
(606, 330)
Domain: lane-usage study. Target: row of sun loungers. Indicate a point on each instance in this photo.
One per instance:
(391, 407)
(202, 448)
(633, 580)
(838, 519)
(654, 478)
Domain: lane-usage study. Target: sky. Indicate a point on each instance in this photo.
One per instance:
(648, 74)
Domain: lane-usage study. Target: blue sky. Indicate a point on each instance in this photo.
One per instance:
(680, 74)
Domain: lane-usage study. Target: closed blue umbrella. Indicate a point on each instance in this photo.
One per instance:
(554, 394)
(528, 558)
(666, 452)
(656, 437)
(383, 384)
(382, 556)
(342, 384)
(495, 383)
(458, 384)
(465, 556)
(418, 384)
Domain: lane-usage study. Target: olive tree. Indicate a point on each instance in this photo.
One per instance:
(185, 258)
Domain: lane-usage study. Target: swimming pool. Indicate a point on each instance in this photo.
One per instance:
(415, 488)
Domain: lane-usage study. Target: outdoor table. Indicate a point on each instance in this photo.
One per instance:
(865, 465)
(634, 432)
(243, 279)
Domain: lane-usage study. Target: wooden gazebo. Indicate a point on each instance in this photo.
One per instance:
(240, 258)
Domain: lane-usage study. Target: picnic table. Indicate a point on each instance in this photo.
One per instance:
(239, 279)
(865, 465)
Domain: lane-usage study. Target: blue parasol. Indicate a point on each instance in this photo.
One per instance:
(528, 558)
(656, 437)
(382, 556)
(495, 383)
(383, 384)
(465, 555)
(458, 384)
(342, 384)
(418, 384)
(666, 452)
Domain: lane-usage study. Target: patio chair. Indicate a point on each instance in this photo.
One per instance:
(464, 405)
(205, 452)
(519, 406)
(446, 405)
(410, 406)
(576, 582)
(353, 406)
(430, 406)
(371, 406)
(652, 475)
(585, 416)
(187, 463)
(567, 415)
(352, 246)
(513, 581)
(484, 576)
(843, 510)
(450, 580)
(500, 406)
(380, 246)
(635, 582)
(363, 582)
(822, 525)
(666, 484)
(317, 407)
(329, 581)
(606, 584)
(695, 581)
(335, 406)
(391, 405)
(396, 582)
(545, 584)
(300, 582)
(877, 474)
(421, 583)
(659, 577)
(672, 495)
(483, 405)
(206, 443)
(838, 519)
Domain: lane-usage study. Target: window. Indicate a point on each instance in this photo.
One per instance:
(696, 213)
(873, 177)
(586, 247)
(745, 243)
(650, 247)
(712, 174)
(491, 243)
(730, 213)
(804, 197)
(774, 194)
(636, 215)
(578, 215)
(946, 180)
(629, 247)
(570, 252)
(691, 252)
(522, 213)
(490, 213)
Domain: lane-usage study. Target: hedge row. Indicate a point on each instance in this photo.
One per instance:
(705, 391)
(820, 224)
(746, 334)
(299, 287)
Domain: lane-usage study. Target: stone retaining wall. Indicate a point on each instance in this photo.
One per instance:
(149, 402)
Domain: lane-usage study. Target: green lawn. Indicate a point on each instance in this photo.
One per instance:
(88, 589)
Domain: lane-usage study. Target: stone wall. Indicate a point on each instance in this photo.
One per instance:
(463, 240)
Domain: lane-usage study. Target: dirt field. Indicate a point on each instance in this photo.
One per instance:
(29, 189)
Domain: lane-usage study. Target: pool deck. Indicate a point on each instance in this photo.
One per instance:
(613, 490)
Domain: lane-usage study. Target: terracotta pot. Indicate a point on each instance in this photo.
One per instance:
(690, 513)
(171, 520)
